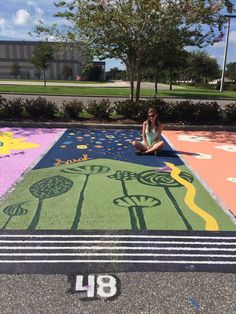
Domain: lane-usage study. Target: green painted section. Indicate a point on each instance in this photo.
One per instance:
(106, 194)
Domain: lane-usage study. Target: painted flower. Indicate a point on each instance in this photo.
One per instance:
(203, 156)
(231, 179)
(192, 138)
(227, 148)
(8, 143)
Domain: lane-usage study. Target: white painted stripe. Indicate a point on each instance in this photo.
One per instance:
(113, 248)
(115, 236)
(119, 241)
(117, 261)
(117, 254)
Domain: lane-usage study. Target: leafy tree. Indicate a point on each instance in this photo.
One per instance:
(101, 26)
(231, 70)
(43, 55)
(15, 69)
(67, 72)
(114, 73)
(90, 72)
(168, 57)
(202, 67)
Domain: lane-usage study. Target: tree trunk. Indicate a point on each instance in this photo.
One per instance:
(171, 78)
(44, 77)
(155, 86)
(130, 72)
(131, 96)
(138, 87)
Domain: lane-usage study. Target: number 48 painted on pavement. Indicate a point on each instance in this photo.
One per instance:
(105, 286)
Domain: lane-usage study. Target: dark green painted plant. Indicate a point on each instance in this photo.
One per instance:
(13, 211)
(164, 180)
(123, 176)
(47, 188)
(86, 171)
(135, 204)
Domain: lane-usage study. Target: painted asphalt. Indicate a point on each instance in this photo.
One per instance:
(213, 160)
(141, 292)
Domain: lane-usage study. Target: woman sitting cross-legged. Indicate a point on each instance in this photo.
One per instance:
(151, 134)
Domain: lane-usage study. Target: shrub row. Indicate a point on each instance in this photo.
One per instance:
(177, 112)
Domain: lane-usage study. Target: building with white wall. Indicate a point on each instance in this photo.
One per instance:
(21, 52)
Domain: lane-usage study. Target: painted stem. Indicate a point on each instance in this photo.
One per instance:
(6, 223)
(133, 219)
(124, 188)
(142, 223)
(36, 217)
(79, 205)
(176, 206)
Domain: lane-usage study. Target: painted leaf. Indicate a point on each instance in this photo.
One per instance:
(15, 210)
(51, 187)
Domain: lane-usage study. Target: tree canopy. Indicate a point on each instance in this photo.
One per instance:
(201, 67)
(130, 29)
(231, 70)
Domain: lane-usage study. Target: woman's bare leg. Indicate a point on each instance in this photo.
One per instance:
(155, 148)
(139, 146)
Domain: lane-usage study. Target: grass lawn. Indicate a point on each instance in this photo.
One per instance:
(188, 92)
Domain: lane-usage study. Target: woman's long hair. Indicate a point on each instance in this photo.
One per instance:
(156, 123)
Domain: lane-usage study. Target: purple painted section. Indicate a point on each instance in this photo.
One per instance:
(14, 164)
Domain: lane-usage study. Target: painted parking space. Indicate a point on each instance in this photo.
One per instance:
(91, 201)
(20, 149)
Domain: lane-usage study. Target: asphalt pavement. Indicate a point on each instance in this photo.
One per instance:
(139, 293)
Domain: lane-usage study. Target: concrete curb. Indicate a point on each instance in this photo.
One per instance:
(101, 125)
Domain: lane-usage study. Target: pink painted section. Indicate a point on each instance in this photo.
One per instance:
(13, 165)
(212, 155)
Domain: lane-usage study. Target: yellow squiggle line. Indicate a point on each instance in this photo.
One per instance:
(210, 222)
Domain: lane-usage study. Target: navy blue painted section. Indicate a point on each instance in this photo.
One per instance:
(111, 144)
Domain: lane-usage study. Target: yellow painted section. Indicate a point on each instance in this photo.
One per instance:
(8, 143)
(82, 146)
(210, 222)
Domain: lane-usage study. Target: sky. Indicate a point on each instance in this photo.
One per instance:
(19, 17)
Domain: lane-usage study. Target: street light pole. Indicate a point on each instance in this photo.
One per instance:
(225, 53)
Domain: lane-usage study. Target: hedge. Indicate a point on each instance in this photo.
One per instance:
(185, 112)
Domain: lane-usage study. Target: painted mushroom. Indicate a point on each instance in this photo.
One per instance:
(135, 205)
